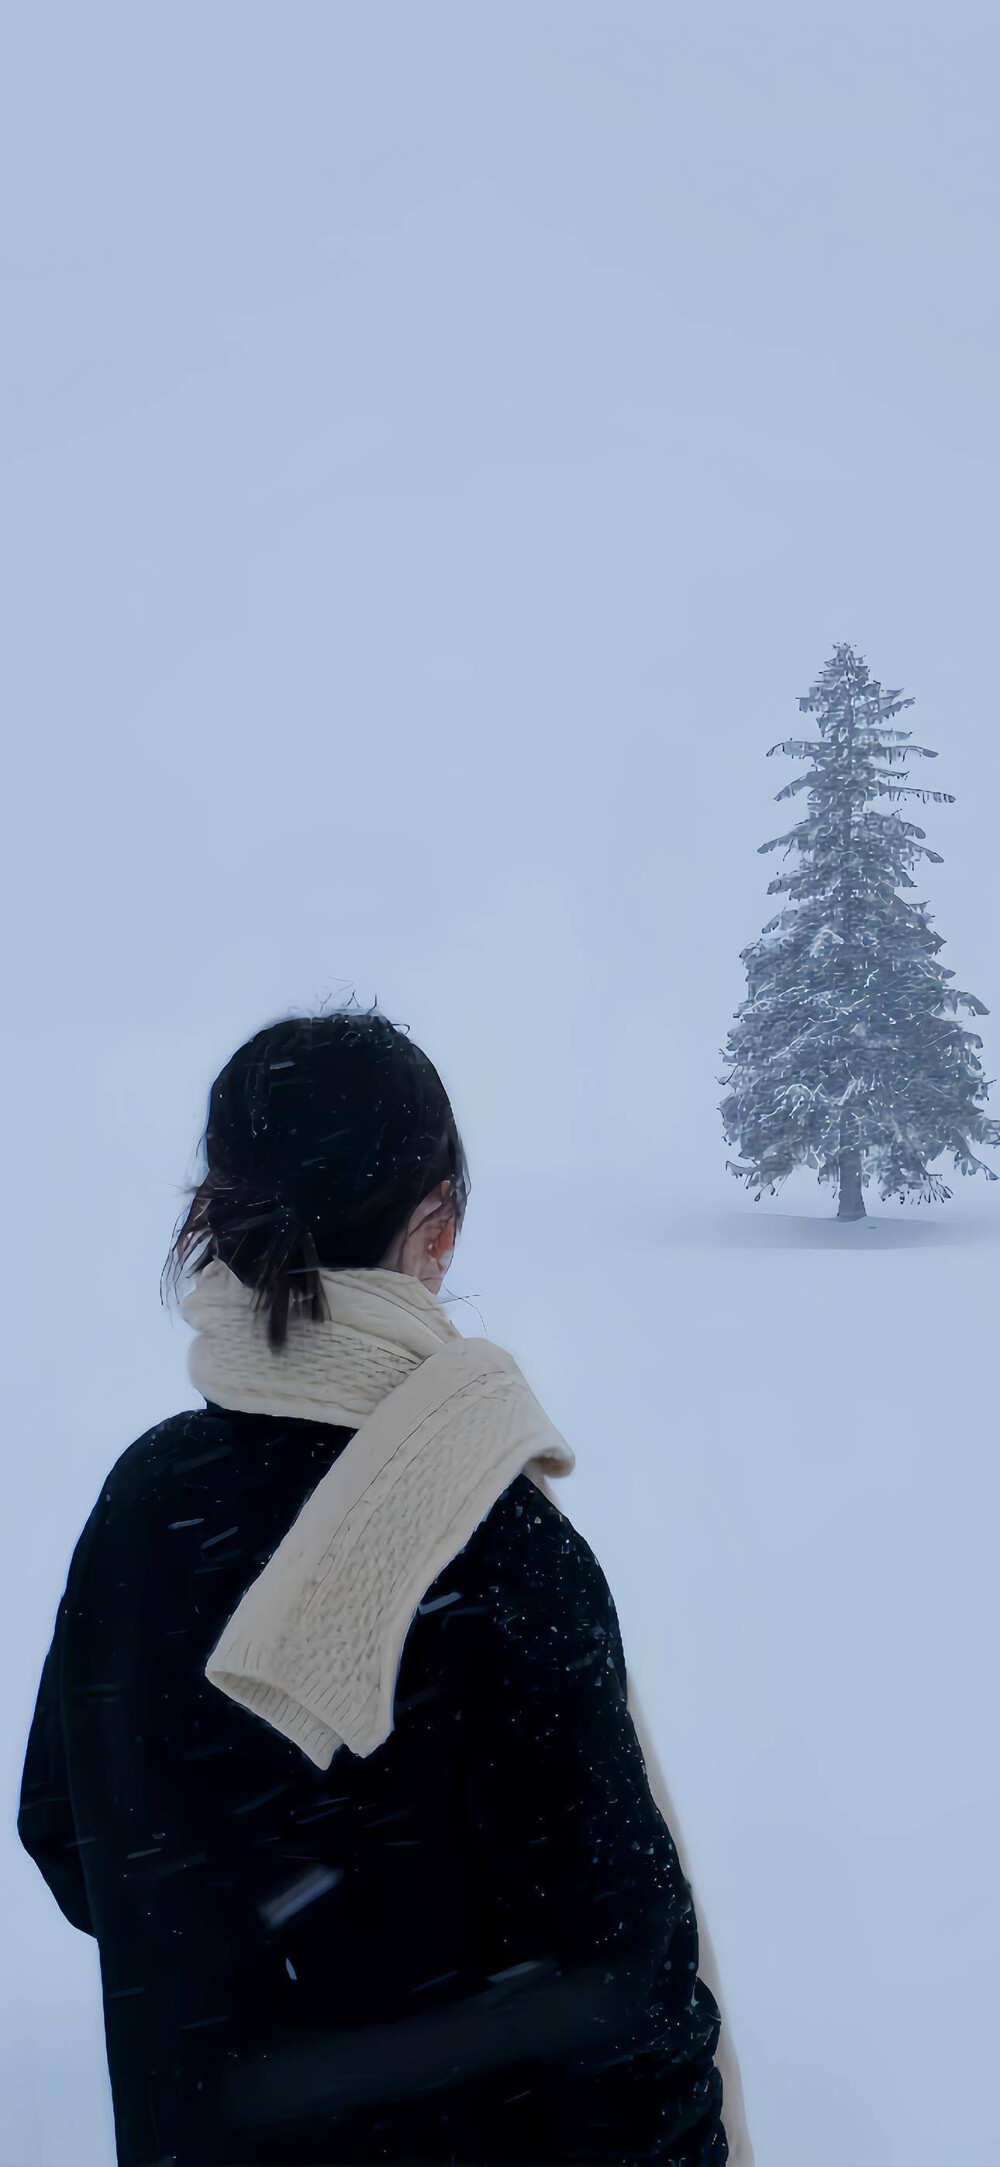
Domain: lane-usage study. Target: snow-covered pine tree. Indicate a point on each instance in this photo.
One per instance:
(847, 1055)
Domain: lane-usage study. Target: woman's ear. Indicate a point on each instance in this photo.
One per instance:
(430, 1239)
(441, 1234)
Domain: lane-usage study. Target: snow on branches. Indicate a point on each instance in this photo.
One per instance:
(847, 1056)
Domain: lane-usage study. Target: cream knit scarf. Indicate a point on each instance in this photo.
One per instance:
(442, 1424)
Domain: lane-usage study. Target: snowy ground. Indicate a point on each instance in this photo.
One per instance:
(796, 1510)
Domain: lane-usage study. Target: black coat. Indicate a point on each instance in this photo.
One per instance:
(301, 1966)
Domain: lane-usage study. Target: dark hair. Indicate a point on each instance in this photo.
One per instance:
(323, 1135)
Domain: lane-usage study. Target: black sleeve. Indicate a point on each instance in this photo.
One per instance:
(574, 1855)
(45, 1821)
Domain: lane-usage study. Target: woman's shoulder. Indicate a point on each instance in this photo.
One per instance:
(165, 1444)
(540, 1586)
(114, 1522)
(526, 1534)
(197, 1442)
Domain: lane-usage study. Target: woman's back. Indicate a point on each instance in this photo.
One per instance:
(457, 1928)
(246, 1903)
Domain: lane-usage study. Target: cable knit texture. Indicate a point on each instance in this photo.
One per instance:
(443, 1425)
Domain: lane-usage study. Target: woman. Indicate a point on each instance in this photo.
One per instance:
(332, 1752)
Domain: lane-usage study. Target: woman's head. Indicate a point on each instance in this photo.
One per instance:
(330, 1143)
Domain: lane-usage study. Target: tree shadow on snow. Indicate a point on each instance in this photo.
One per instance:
(757, 1228)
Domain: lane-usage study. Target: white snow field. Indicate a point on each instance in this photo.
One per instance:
(439, 445)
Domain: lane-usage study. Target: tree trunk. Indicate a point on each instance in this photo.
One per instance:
(852, 1203)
